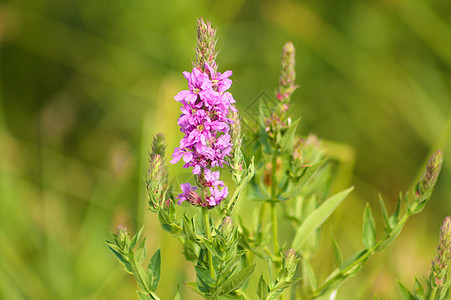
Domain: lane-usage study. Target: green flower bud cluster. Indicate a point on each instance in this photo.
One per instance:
(206, 43)
(287, 83)
(440, 264)
(236, 160)
(157, 179)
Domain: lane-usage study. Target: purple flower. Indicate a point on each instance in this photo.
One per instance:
(188, 194)
(198, 83)
(217, 195)
(205, 123)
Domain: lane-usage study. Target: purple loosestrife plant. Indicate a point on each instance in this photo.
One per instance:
(292, 177)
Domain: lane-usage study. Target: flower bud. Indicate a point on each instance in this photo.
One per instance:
(158, 144)
(430, 175)
(122, 235)
(440, 263)
(206, 43)
(288, 74)
(290, 263)
(227, 225)
(157, 181)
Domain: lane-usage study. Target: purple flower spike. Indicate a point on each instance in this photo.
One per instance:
(205, 123)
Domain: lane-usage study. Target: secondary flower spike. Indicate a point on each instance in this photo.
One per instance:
(205, 122)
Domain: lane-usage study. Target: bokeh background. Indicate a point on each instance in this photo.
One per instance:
(85, 84)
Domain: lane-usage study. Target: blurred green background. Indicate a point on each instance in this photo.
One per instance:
(85, 84)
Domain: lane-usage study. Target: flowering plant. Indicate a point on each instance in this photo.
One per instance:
(290, 177)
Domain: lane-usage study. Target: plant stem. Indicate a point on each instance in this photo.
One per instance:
(207, 229)
(274, 228)
(434, 291)
(261, 216)
(273, 205)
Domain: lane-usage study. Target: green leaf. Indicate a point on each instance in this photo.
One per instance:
(188, 228)
(193, 286)
(337, 253)
(393, 220)
(369, 228)
(136, 238)
(236, 281)
(280, 287)
(317, 218)
(122, 259)
(419, 291)
(154, 269)
(405, 294)
(445, 290)
(204, 274)
(140, 254)
(387, 226)
(262, 288)
(288, 138)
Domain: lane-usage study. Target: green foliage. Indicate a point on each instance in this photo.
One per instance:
(317, 218)
(132, 259)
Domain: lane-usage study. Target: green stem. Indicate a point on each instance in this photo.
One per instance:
(261, 216)
(207, 229)
(274, 228)
(433, 293)
(273, 205)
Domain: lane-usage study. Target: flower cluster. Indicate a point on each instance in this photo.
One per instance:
(205, 123)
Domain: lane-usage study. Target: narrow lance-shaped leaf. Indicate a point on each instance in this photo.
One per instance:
(317, 218)
(394, 218)
(405, 294)
(419, 291)
(369, 228)
(288, 138)
(236, 281)
(262, 288)
(140, 254)
(337, 253)
(154, 269)
(387, 226)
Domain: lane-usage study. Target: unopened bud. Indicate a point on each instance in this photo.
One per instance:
(235, 130)
(158, 144)
(122, 234)
(429, 178)
(440, 263)
(227, 225)
(290, 262)
(157, 181)
(206, 43)
(288, 74)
